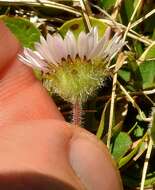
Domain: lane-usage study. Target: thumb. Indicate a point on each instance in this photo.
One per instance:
(22, 97)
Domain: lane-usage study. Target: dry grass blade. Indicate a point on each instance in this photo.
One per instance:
(116, 9)
(143, 18)
(147, 157)
(132, 34)
(85, 14)
(135, 105)
(131, 19)
(120, 61)
(40, 3)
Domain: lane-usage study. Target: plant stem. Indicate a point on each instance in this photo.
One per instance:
(77, 111)
(113, 95)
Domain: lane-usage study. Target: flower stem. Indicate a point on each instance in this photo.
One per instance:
(77, 111)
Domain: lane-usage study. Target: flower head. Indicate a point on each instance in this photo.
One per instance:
(73, 68)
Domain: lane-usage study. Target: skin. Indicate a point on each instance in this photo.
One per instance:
(39, 150)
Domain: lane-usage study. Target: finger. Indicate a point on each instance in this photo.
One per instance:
(22, 97)
(67, 153)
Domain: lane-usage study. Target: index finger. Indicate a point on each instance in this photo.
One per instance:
(22, 96)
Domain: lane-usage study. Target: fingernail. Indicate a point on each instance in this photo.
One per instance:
(93, 164)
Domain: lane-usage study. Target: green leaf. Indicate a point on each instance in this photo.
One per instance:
(124, 74)
(24, 30)
(127, 10)
(130, 74)
(138, 48)
(138, 132)
(147, 70)
(150, 179)
(151, 53)
(128, 157)
(121, 145)
(77, 25)
(134, 181)
(102, 122)
(153, 35)
(139, 76)
(136, 75)
(107, 4)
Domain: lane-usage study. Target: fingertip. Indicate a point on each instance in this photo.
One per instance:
(92, 163)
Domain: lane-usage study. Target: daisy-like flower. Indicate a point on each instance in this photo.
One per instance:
(73, 68)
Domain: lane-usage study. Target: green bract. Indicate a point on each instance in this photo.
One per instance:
(76, 81)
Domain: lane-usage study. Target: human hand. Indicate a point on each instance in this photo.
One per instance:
(39, 150)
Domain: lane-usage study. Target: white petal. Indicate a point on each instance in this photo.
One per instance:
(57, 47)
(116, 49)
(108, 48)
(45, 53)
(38, 54)
(82, 45)
(96, 38)
(97, 49)
(30, 62)
(43, 41)
(43, 46)
(107, 34)
(24, 60)
(91, 41)
(39, 59)
(43, 49)
(33, 59)
(70, 43)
